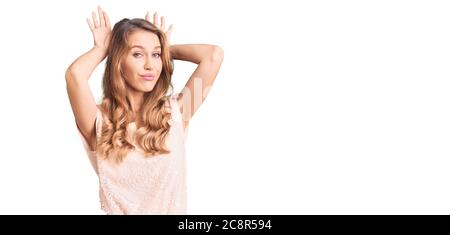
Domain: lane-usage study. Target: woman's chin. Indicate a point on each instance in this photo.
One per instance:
(147, 89)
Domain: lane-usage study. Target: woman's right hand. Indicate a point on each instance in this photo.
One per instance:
(101, 29)
(161, 25)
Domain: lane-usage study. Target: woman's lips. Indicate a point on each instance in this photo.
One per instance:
(149, 78)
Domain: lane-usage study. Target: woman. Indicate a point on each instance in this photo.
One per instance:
(135, 137)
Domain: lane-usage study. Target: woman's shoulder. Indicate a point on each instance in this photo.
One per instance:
(100, 110)
(174, 96)
(174, 99)
(178, 97)
(178, 101)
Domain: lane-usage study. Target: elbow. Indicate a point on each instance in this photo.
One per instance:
(72, 75)
(212, 54)
(217, 54)
(69, 74)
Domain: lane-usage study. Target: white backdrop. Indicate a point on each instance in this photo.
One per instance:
(321, 107)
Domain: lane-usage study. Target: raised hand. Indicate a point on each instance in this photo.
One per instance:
(101, 29)
(161, 25)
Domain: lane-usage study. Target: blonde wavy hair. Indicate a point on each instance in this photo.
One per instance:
(116, 107)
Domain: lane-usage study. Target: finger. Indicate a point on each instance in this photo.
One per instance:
(101, 16)
(163, 23)
(155, 19)
(90, 24)
(147, 17)
(94, 18)
(106, 20)
(169, 31)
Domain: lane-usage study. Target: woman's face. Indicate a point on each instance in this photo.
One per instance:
(142, 64)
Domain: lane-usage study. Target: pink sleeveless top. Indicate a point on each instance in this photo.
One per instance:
(140, 185)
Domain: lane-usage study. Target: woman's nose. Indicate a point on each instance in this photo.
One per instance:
(148, 65)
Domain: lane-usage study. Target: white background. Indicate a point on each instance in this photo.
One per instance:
(321, 107)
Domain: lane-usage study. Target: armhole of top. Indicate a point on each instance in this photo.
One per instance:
(179, 113)
(92, 154)
(97, 129)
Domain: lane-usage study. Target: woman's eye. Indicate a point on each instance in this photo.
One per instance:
(137, 55)
(157, 55)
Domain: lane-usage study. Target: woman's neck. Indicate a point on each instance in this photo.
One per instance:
(136, 99)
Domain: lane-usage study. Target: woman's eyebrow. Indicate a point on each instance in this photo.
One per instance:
(139, 46)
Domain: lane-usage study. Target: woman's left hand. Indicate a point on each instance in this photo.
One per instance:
(160, 25)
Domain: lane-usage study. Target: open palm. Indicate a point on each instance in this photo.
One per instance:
(160, 24)
(101, 29)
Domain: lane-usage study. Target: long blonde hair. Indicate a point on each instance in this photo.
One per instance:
(116, 108)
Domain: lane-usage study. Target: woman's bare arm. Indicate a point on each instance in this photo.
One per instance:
(77, 75)
(209, 59)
